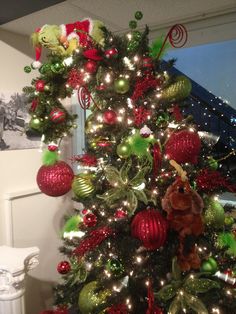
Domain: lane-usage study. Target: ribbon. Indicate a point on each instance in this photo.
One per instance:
(152, 308)
(157, 159)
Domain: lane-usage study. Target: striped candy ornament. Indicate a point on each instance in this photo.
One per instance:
(57, 115)
(82, 185)
(150, 227)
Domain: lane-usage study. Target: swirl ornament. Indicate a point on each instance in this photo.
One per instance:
(84, 98)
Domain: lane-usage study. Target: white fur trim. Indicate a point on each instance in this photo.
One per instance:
(63, 30)
(36, 64)
(91, 24)
(73, 35)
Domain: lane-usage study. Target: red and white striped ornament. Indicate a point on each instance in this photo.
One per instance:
(57, 115)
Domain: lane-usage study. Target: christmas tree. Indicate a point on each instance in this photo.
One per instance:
(148, 234)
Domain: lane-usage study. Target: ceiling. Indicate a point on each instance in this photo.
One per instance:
(114, 13)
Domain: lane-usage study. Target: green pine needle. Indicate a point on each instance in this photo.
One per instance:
(49, 158)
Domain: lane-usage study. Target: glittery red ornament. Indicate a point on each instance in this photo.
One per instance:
(110, 117)
(57, 115)
(183, 146)
(120, 213)
(86, 160)
(90, 66)
(111, 53)
(63, 267)
(150, 227)
(90, 220)
(140, 115)
(75, 79)
(55, 180)
(34, 105)
(39, 85)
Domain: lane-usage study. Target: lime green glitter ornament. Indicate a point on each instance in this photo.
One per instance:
(214, 215)
(90, 298)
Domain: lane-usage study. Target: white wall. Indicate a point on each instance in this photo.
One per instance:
(36, 220)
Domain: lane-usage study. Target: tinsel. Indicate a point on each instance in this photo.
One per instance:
(140, 115)
(142, 85)
(211, 180)
(86, 160)
(93, 240)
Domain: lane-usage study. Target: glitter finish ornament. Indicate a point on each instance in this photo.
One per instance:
(110, 117)
(115, 267)
(27, 69)
(63, 267)
(40, 85)
(150, 227)
(57, 67)
(214, 215)
(121, 85)
(90, 66)
(179, 90)
(55, 180)
(111, 53)
(183, 146)
(83, 186)
(57, 115)
(90, 220)
(91, 297)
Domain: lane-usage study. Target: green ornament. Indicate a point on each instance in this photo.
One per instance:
(72, 224)
(178, 90)
(213, 164)
(133, 24)
(138, 15)
(214, 215)
(57, 67)
(45, 68)
(162, 119)
(90, 298)
(210, 265)
(121, 85)
(35, 124)
(115, 267)
(27, 69)
(124, 150)
(83, 186)
(229, 220)
(136, 35)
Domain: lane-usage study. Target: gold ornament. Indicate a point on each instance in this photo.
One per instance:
(82, 185)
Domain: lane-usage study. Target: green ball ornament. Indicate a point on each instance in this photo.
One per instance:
(133, 24)
(213, 164)
(90, 298)
(83, 186)
(27, 69)
(138, 15)
(162, 120)
(45, 68)
(136, 35)
(57, 67)
(115, 267)
(121, 85)
(124, 150)
(229, 221)
(35, 123)
(178, 90)
(214, 215)
(210, 265)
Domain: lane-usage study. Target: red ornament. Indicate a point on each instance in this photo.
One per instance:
(57, 115)
(110, 117)
(150, 227)
(183, 146)
(86, 160)
(140, 115)
(39, 85)
(147, 63)
(75, 79)
(90, 66)
(177, 113)
(55, 180)
(120, 213)
(52, 147)
(110, 53)
(34, 105)
(90, 220)
(63, 267)
(92, 54)
(117, 309)
(142, 85)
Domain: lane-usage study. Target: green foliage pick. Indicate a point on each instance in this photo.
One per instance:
(72, 224)
(49, 158)
(156, 47)
(227, 240)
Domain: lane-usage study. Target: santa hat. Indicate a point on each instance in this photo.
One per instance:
(38, 51)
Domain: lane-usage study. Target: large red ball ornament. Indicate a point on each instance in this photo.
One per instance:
(39, 85)
(111, 53)
(110, 117)
(150, 227)
(55, 180)
(63, 267)
(57, 115)
(90, 66)
(183, 146)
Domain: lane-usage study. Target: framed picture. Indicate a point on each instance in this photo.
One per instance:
(14, 119)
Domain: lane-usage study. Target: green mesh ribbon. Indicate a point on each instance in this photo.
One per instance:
(126, 190)
(183, 291)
